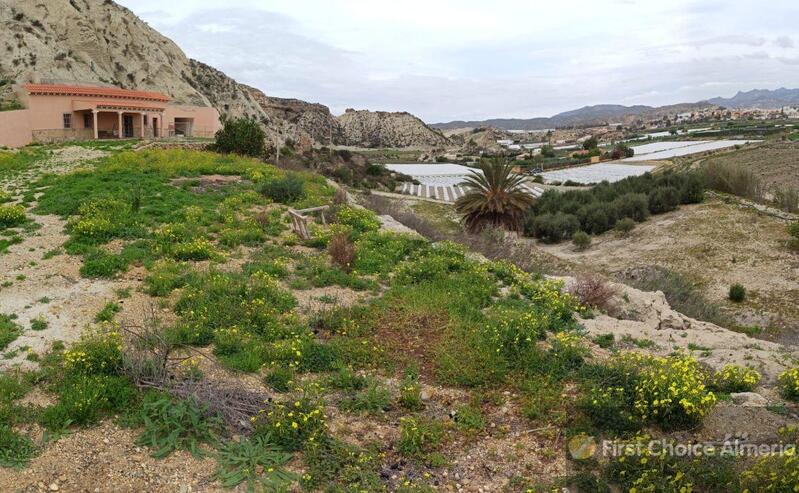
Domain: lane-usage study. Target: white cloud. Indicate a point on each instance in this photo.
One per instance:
(454, 59)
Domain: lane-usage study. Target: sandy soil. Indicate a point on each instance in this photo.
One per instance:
(106, 458)
(716, 244)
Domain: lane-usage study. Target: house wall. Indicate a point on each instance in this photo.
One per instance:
(206, 119)
(43, 121)
(15, 128)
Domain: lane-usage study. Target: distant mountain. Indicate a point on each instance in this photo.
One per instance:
(760, 98)
(604, 113)
(610, 113)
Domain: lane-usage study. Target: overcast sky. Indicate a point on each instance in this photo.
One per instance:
(463, 59)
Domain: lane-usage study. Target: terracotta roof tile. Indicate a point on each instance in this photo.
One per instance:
(113, 92)
(118, 104)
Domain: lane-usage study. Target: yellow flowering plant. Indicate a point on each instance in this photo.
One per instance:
(734, 378)
(789, 384)
(11, 215)
(294, 422)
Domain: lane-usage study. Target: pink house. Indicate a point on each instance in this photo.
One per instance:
(58, 112)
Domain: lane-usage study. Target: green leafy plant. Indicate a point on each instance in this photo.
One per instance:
(372, 399)
(176, 424)
(411, 391)
(256, 461)
(16, 450)
(9, 331)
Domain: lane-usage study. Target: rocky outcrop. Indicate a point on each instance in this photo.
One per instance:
(224, 93)
(300, 120)
(101, 42)
(383, 129)
(91, 41)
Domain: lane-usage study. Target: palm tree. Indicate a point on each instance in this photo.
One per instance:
(495, 197)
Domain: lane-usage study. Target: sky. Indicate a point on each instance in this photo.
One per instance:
(444, 60)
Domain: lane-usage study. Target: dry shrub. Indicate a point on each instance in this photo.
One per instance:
(593, 291)
(340, 198)
(342, 251)
(263, 219)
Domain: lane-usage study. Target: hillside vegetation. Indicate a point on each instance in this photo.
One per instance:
(361, 359)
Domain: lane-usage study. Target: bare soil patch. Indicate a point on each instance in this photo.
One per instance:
(716, 244)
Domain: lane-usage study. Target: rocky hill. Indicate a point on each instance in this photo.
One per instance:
(760, 98)
(101, 42)
(384, 129)
(301, 120)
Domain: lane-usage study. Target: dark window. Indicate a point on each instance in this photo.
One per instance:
(67, 120)
(145, 120)
(88, 121)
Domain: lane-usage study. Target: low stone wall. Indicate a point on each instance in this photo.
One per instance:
(50, 136)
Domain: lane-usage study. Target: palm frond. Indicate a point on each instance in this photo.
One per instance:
(496, 196)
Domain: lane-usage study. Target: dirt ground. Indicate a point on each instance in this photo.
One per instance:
(715, 244)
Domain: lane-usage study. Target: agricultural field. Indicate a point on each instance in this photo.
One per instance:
(163, 328)
(777, 163)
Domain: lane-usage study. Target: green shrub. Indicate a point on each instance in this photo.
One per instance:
(286, 190)
(256, 461)
(608, 409)
(553, 228)
(243, 136)
(737, 293)
(663, 199)
(101, 264)
(9, 331)
(605, 341)
(84, 399)
(176, 424)
(411, 391)
(631, 205)
(658, 470)
(11, 215)
(280, 378)
(372, 399)
(625, 225)
(343, 378)
(778, 473)
(95, 353)
(13, 385)
(166, 276)
(469, 418)
(581, 240)
(379, 252)
(692, 190)
(793, 230)
(334, 465)
(419, 437)
(358, 219)
(734, 378)
(669, 391)
(594, 218)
